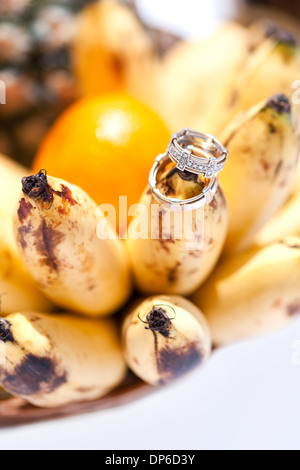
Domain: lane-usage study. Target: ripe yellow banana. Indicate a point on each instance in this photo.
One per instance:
(55, 229)
(171, 261)
(263, 146)
(252, 294)
(17, 289)
(285, 223)
(10, 175)
(165, 338)
(55, 360)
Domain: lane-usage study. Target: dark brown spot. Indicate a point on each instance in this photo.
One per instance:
(272, 129)
(294, 308)
(5, 331)
(174, 363)
(47, 239)
(279, 103)
(66, 194)
(34, 375)
(24, 210)
(23, 231)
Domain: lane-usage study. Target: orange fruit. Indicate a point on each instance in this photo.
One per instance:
(106, 145)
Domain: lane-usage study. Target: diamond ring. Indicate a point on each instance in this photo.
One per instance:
(205, 197)
(197, 153)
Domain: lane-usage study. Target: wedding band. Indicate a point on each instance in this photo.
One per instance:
(197, 153)
(184, 204)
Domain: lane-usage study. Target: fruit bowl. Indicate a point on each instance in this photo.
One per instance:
(15, 411)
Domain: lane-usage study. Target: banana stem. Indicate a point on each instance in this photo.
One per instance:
(158, 320)
(5, 331)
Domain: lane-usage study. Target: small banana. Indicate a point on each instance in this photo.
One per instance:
(285, 223)
(55, 360)
(165, 338)
(253, 293)
(56, 232)
(17, 289)
(177, 260)
(113, 49)
(263, 146)
(10, 175)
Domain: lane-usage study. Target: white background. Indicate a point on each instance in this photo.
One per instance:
(246, 397)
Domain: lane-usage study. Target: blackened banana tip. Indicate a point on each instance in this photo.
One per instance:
(279, 34)
(5, 331)
(280, 103)
(37, 187)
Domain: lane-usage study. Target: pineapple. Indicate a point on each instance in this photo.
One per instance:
(35, 40)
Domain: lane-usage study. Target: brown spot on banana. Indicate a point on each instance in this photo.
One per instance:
(24, 210)
(22, 232)
(293, 308)
(47, 239)
(175, 363)
(34, 375)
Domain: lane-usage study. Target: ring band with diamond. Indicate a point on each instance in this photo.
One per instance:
(205, 197)
(197, 153)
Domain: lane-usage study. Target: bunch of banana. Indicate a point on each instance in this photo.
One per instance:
(253, 293)
(263, 145)
(203, 85)
(55, 229)
(55, 360)
(165, 338)
(271, 65)
(177, 252)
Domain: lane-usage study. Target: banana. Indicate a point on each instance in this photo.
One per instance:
(55, 229)
(263, 145)
(165, 338)
(110, 45)
(253, 293)
(170, 259)
(285, 223)
(10, 175)
(56, 360)
(17, 289)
